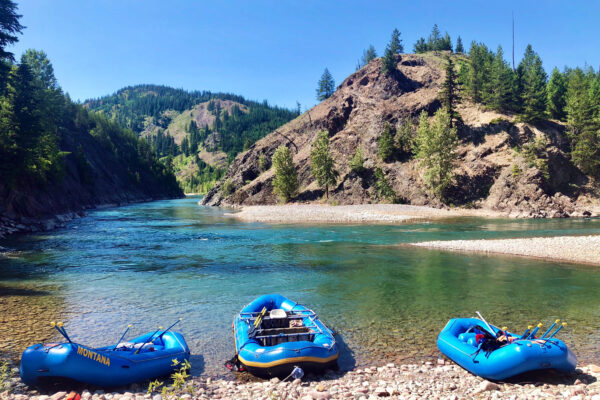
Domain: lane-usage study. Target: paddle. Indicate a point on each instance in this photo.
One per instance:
(60, 329)
(122, 336)
(526, 333)
(148, 341)
(556, 331)
(488, 325)
(152, 338)
(537, 328)
(258, 320)
(549, 329)
(169, 328)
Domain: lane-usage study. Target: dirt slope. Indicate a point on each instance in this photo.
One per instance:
(494, 172)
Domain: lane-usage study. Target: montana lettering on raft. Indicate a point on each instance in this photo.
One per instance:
(92, 355)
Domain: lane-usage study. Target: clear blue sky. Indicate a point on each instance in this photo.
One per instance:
(277, 50)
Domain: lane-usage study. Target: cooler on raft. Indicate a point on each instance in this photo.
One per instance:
(273, 335)
(458, 341)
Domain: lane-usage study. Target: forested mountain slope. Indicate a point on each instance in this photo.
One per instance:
(378, 125)
(198, 132)
(58, 159)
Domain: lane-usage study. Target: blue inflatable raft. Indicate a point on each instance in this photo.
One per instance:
(461, 340)
(274, 334)
(107, 366)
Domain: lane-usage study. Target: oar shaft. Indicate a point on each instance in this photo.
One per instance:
(533, 333)
(526, 333)
(169, 328)
(549, 329)
(122, 336)
(147, 341)
(556, 331)
(488, 325)
(62, 331)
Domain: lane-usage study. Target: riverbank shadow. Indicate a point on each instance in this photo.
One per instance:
(198, 365)
(346, 360)
(551, 377)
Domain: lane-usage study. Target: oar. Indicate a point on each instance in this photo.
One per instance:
(169, 328)
(258, 320)
(556, 331)
(60, 329)
(526, 333)
(122, 336)
(488, 325)
(148, 341)
(152, 338)
(537, 328)
(549, 329)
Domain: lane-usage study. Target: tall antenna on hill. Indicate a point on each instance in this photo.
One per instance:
(513, 39)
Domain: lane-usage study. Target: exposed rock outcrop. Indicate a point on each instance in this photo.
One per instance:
(493, 170)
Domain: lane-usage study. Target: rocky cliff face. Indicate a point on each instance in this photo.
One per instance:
(504, 165)
(104, 180)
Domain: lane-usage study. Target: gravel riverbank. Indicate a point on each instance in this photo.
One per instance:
(579, 249)
(359, 213)
(424, 381)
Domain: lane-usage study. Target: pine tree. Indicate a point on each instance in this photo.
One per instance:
(263, 162)
(322, 164)
(584, 128)
(383, 189)
(369, 55)
(445, 43)
(357, 161)
(405, 137)
(459, 46)
(500, 83)
(480, 59)
(386, 143)
(9, 27)
(533, 85)
(396, 43)
(436, 148)
(449, 93)
(420, 46)
(388, 63)
(325, 86)
(434, 38)
(285, 183)
(40, 68)
(557, 91)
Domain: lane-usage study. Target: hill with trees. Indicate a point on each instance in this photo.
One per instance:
(198, 133)
(58, 158)
(441, 129)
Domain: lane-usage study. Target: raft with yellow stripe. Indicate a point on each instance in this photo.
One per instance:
(274, 334)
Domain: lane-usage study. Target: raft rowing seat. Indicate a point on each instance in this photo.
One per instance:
(281, 327)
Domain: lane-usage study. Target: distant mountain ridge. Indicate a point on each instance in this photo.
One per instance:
(201, 131)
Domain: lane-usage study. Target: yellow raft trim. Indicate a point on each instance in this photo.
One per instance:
(287, 360)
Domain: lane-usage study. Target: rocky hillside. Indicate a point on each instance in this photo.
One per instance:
(521, 169)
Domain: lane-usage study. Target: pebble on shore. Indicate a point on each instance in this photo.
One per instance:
(425, 381)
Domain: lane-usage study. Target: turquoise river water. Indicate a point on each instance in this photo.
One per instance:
(148, 264)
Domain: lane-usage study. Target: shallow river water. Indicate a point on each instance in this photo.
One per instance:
(148, 264)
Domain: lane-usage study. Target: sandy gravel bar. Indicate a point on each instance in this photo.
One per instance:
(431, 380)
(578, 249)
(349, 214)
